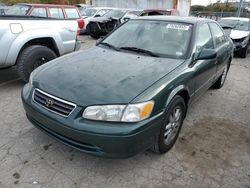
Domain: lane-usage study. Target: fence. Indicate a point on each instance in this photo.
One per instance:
(218, 15)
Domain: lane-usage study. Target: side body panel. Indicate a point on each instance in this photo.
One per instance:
(63, 33)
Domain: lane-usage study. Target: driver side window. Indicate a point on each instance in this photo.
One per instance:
(204, 38)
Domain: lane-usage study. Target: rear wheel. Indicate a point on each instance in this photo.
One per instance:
(171, 126)
(220, 82)
(31, 58)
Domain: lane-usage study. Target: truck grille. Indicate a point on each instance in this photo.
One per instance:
(53, 104)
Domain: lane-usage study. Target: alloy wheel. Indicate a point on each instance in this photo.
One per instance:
(173, 125)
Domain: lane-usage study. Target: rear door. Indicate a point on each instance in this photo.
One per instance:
(204, 69)
(39, 11)
(222, 46)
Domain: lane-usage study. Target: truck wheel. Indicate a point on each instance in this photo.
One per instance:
(220, 82)
(244, 52)
(171, 125)
(31, 58)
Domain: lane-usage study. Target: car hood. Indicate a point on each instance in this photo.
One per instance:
(236, 34)
(102, 19)
(110, 77)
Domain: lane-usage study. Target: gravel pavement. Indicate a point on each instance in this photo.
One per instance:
(213, 149)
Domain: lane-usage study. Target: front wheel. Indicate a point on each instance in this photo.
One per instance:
(171, 125)
(31, 58)
(244, 52)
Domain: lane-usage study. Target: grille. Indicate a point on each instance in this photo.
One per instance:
(237, 40)
(54, 104)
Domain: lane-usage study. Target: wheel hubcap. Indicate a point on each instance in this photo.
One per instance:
(39, 62)
(173, 125)
(223, 77)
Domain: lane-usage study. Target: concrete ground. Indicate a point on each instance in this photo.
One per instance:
(213, 149)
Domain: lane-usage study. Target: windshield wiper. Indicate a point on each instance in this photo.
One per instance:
(109, 45)
(140, 50)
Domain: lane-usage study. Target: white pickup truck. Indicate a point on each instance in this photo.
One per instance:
(28, 42)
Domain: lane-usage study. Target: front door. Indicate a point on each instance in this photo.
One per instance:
(204, 70)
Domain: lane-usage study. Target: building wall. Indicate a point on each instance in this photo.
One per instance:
(139, 4)
(182, 5)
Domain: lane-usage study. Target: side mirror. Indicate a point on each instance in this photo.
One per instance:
(207, 54)
(98, 15)
(126, 19)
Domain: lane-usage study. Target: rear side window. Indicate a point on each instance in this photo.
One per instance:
(218, 34)
(56, 13)
(41, 12)
(204, 38)
(71, 13)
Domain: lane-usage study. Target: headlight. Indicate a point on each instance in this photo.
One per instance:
(245, 40)
(120, 113)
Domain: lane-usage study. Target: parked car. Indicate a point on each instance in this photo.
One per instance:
(158, 12)
(45, 10)
(29, 42)
(99, 27)
(89, 13)
(131, 92)
(239, 31)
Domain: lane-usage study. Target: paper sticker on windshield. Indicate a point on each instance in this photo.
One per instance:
(178, 27)
(179, 53)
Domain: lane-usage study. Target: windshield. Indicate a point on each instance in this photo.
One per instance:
(160, 38)
(115, 14)
(235, 24)
(18, 10)
(88, 12)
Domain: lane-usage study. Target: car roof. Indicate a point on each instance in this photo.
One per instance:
(235, 18)
(127, 9)
(158, 9)
(190, 20)
(45, 5)
(100, 8)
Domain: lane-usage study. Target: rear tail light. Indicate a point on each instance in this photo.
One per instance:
(80, 23)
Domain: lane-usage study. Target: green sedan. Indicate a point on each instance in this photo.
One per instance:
(132, 90)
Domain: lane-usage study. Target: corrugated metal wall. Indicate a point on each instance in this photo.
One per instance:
(183, 5)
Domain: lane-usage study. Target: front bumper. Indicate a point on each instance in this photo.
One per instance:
(238, 46)
(107, 139)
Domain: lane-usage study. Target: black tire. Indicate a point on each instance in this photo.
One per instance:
(221, 81)
(244, 52)
(31, 58)
(94, 36)
(160, 145)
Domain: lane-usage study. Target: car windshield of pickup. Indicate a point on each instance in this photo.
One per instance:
(154, 38)
(18, 10)
(241, 25)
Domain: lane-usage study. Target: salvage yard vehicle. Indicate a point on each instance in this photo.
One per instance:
(45, 10)
(90, 13)
(28, 42)
(158, 12)
(101, 26)
(131, 92)
(239, 33)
